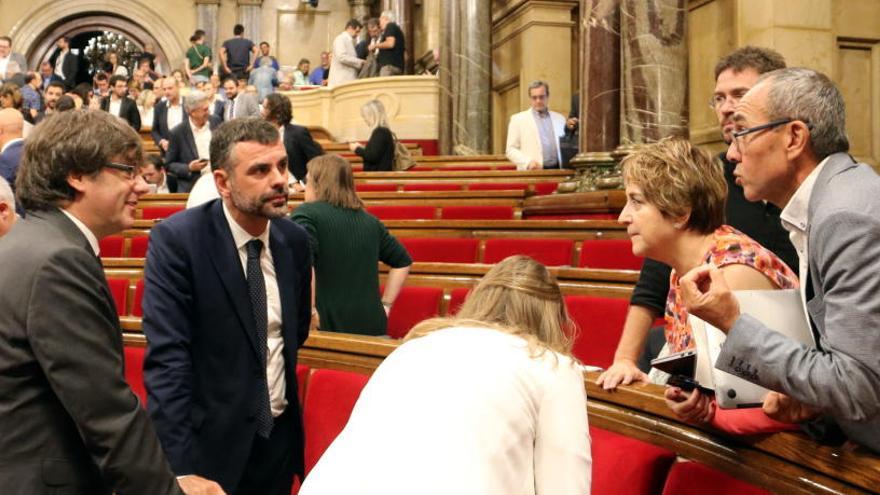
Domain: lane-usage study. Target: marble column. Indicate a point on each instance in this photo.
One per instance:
(249, 14)
(360, 9)
(207, 19)
(654, 76)
(403, 10)
(465, 76)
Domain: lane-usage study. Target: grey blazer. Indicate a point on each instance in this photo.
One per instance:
(68, 421)
(842, 375)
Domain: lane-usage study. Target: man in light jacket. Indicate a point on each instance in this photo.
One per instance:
(533, 135)
(345, 64)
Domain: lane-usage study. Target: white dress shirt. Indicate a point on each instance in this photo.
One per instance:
(274, 357)
(90, 236)
(174, 116)
(59, 64)
(3, 63)
(115, 105)
(202, 138)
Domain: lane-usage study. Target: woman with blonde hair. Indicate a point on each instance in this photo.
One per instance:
(378, 154)
(674, 214)
(489, 402)
(347, 245)
(146, 102)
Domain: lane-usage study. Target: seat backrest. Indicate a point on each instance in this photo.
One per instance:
(330, 397)
(442, 249)
(402, 212)
(626, 466)
(154, 212)
(136, 308)
(498, 186)
(119, 291)
(613, 254)
(600, 323)
(302, 377)
(544, 188)
(477, 212)
(111, 246)
(693, 478)
(456, 299)
(551, 252)
(432, 186)
(370, 187)
(134, 371)
(139, 246)
(413, 305)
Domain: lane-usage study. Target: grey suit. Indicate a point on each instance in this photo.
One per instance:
(842, 375)
(68, 421)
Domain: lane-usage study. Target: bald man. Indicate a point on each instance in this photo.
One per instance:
(7, 207)
(11, 142)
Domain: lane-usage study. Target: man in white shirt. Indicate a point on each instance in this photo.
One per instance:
(345, 64)
(7, 56)
(226, 306)
(117, 103)
(65, 62)
(188, 151)
(168, 113)
(533, 135)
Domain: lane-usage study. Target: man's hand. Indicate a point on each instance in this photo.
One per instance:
(695, 408)
(707, 296)
(197, 165)
(571, 123)
(163, 143)
(622, 372)
(196, 485)
(784, 409)
(533, 165)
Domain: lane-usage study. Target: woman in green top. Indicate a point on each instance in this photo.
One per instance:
(347, 244)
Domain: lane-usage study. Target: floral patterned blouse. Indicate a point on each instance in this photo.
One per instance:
(730, 247)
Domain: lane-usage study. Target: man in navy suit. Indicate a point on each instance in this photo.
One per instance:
(187, 156)
(11, 143)
(167, 114)
(227, 303)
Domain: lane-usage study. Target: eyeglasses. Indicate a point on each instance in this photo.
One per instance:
(129, 170)
(740, 144)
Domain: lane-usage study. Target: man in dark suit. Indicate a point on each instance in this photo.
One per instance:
(300, 146)
(167, 114)
(65, 63)
(227, 303)
(188, 151)
(11, 143)
(157, 178)
(119, 104)
(47, 76)
(68, 421)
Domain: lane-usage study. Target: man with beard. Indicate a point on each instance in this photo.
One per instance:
(226, 306)
(53, 93)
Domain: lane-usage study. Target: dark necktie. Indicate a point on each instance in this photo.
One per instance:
(257, 290)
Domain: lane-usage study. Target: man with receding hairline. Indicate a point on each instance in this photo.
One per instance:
(11, 143)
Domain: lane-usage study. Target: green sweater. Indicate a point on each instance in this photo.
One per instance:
(346, 248)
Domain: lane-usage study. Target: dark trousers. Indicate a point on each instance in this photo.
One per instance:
(269, 469)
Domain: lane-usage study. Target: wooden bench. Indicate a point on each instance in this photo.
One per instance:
(465, 176)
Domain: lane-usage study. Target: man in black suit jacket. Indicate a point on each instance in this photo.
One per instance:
(65, 62)
(167, 114)
(300, 146)
(227, 303)
(187, 156)
(119, 104)
(69, 423)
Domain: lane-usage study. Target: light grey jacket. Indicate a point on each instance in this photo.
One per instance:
(842, 376)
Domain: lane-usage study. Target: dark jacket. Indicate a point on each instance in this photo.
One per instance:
(181, 151)
(160, 128)
(301, 148)
(127, 110)
(378, 154)
(70, 67)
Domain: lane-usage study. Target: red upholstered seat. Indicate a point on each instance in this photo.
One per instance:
(692, 478)
(111, 246)
(456, 299)
(551, 252)
(330, 397)
(542, 188)
(576, 216)
(402, 212)
(498, 186)
(467, 168)
(136, 308)
(134, 372)
(626, 466)
(369, 187)
(477, 212)
(610, 253)
(413, 305)
(442, 249)
(119, 291)
(600, 323)
(432, 186)
(154, 212)
(139, 246)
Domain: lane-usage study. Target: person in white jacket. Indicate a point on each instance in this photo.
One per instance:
(345, 64)
(533, 135)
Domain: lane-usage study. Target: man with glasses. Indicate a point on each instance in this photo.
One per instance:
(734, 75)
(69, 421)
(533, 135)
(790, 147)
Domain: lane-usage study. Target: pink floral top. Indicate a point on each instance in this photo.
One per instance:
(730, 247)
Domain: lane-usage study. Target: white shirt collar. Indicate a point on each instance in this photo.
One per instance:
(93, 240)
(794, 215)
(239, 235)
(10, 143)
(203, 128)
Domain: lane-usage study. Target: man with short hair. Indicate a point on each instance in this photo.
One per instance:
(230, 87)
(30, 94)
(69, 420)
(102, 85)
(7, 207)
(227, 303)
(345, 64)
(533, 135)
(53, 93)
(362, 48)
(264, 52)
(154, 174)
(391, 46)
(65, 63)
(790, 146)
(119, 104)
(167, 114)
(235, 54)
(319, 76)
(47, 76)
(6, 55)
(188, 148)
(198, 57)
(11, 143)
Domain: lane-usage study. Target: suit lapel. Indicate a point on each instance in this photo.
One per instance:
(190, 140)
(225, 258)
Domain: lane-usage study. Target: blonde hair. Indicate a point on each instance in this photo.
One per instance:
(680, 179)
(517, 296)
(331, 178)
(147, 99)
(374, 115)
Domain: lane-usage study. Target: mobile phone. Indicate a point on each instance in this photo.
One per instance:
(687, 384)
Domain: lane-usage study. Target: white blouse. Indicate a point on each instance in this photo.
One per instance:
(463, 411)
